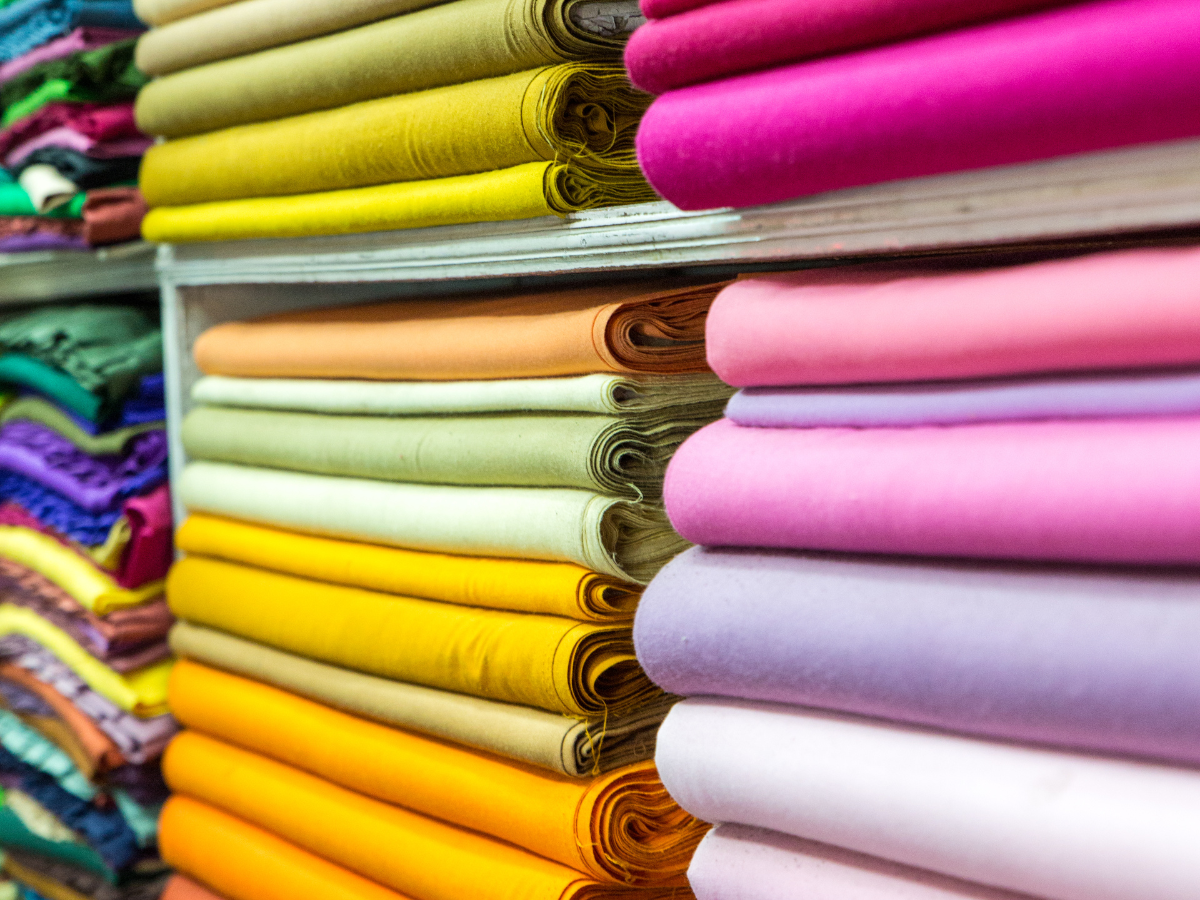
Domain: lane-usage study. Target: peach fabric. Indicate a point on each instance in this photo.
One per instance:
(183, 888)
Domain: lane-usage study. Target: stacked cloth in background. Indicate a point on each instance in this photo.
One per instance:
(417, 535)
(288, 119)
(769, 100)
(85, 542)
(925, 676)
(69, 147)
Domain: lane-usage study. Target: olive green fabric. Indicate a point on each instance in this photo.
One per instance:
(622, 456)
(448, 44)
(103, 75)
(35, 409)
(583, 113)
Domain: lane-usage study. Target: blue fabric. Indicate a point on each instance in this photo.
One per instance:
(28, 893)
(27, 24)
(56, 511)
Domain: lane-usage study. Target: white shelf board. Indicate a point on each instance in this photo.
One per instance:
(47, 276)
(1140, 189)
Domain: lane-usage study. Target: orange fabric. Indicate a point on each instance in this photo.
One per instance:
(242, 862)
(182, 888)
(608, 328)
(618, 827)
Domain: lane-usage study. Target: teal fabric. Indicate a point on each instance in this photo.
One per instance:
(13, 833)
(142, 819)
(32, 748)
(19, 369)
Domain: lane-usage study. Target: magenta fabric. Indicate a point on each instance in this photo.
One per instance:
(1089, 77)
(862, 325)
(1114, 491)
(102, 123)
(86, 38)
(151, 548)
(721, 39)
(74, 140)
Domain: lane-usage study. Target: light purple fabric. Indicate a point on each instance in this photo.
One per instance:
(29, 243)
(1090, 659)
(961, 402)
(1085, 78)
(86, 38)
(74, 140)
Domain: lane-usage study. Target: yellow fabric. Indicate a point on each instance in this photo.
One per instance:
(109, 554)
(551, 663)
(554, 589)
(419, 856)
(619, 827)
(142, 692)
(522, 192)
(583, 114)
(95, 590)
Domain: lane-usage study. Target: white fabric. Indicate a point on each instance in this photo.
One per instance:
(46, 187)
(1055, 825)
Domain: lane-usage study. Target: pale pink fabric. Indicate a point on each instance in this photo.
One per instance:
(74, 140)
(77, 40)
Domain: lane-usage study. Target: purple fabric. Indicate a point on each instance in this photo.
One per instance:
(1089, 77)
(59, 48)
(961, 402)
(1096, 660)
(31, 243)
(56, 511)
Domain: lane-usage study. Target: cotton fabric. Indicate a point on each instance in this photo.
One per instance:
(1035, 821)
(31, 408)
(559, 665)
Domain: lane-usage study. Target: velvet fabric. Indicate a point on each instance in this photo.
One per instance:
(1102, 491)
(27, 24)
(1090, 77)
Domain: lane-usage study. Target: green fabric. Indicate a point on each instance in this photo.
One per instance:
(624, 456)
(103, 75)
(35, 750)
(14, 834)
(35, 409)
(17, 368)
(14, 201)
(106, 349)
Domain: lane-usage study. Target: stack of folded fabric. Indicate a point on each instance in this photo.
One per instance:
(85, 542)
(1008, 703)
(69, 147)
(417, 536)
(291, 119)
(769, 100)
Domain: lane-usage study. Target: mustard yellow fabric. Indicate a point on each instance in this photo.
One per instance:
(547, 662)
(142, 692)
(421, 857)
(585, 114)
(94, 589)
(553, 589)
(622, 827)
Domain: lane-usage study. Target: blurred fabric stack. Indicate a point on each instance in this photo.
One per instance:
(69, 147)
(417, 535)
(1005, 703)
(85, 542)
(320, 118)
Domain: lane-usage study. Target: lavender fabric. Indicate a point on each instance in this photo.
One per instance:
(1088, 659)
(1088, 77)
(963, 402)
(31, 243)
(56, 511)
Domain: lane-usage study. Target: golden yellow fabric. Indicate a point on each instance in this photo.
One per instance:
(522, 192)
(554, 589)
(585, 114)
(142, 692)
(422, 857)
(619, 827)
(548, 662)
(94, 589)
(243, 862)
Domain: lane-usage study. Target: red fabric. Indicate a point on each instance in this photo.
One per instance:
(101, 123)
(113, 215)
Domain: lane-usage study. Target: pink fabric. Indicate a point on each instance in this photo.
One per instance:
(73, 140)
(101, 123)
(720, 39)
(1089, 77)
(1134, 308)
(1112, 491)
(77, 40)
(151, 547)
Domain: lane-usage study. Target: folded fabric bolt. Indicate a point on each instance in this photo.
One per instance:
(104, 75)
(32, 408)
(69, 139)
(605, 395)
(1093, 660)
(643, 327)
(34, 750)
(620, 828)
(244, 27)
(554, 589)
(1049, 824)
(620, 456)
(1108, 490)
(46, 187)
(423, 857)
(113, 215)
(451, 43)
(1089, 77)
(244, 862)
(160, 12)
(582, 115)
(719, 39)
(107, 556)
(1120, 310)
(150, 552)
(35, 228)
(27, 24)
(67, 45)
(101, 123)
(959, 403)
(547, 740)
(528, 191)
(626, 540)
(560, 665)
(737, 862)
(38, 240)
